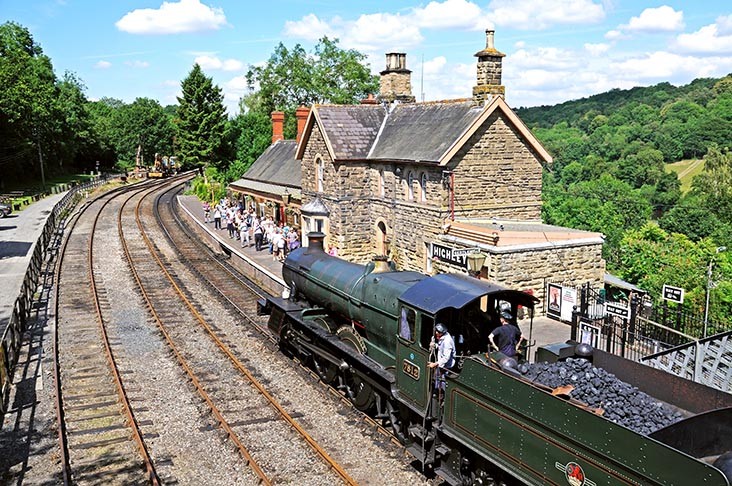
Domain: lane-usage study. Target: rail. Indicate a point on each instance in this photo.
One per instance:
(13, 334)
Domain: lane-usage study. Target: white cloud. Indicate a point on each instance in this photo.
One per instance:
(173, 18)
(541, 14)
(449, 14)
(613, 35)
(137, 64)
(548, 58)
(667, 66)
(215, 64)
(597, 49)
(652, 20)
(103, 65)
(710, 39)
(311, 28)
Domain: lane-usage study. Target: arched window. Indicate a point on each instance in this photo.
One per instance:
(319, 174)
(423, 187)
(410, 185)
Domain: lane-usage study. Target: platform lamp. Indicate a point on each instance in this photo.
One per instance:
(475, 264)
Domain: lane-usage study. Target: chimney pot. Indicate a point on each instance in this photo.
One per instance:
(489, 34)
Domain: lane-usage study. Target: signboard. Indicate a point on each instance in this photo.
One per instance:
(589, 333)
(673, 294)
(617, 309)
(569, 300)
(554, 301)
(458, 257)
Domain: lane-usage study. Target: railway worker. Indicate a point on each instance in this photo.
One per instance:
(445, 357)
(509, 337)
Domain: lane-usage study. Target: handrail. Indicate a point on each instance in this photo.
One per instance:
(12, 336)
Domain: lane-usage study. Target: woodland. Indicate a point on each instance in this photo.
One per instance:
(613, 152)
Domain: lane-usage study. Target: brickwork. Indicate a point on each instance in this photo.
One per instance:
(396, 85)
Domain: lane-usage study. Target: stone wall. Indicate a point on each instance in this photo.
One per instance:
(497, 174)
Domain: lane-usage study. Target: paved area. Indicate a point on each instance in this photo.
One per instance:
(543, 331)
(18, 235)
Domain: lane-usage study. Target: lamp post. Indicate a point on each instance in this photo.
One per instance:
(475, 264)
(709, 287)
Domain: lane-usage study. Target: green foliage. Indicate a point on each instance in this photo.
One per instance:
(201, 121)
(652, 258)
(292, 77)
(211, 186)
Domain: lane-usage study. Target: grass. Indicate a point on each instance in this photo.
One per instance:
(686, 170)
(29, 189)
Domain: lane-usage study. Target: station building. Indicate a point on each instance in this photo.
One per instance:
(437, 186)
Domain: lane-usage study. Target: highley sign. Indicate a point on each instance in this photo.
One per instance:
(458, 257)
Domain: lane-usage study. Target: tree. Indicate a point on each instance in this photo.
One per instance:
(26, 100)
(201, 121)
(292, 77)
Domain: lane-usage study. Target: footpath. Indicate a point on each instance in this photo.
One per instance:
(19, 233)
(543, 331)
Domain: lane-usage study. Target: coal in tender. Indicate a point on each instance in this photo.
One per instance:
(623, 403)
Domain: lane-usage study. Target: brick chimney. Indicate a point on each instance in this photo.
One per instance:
(301, 114)
(489, 72)
(395, 82)
(278, 120)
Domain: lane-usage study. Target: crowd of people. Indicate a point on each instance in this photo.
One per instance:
(245, 225)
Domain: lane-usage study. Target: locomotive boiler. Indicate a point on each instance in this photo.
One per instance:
(367, 330)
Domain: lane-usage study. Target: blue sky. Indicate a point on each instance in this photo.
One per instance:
(556, 50)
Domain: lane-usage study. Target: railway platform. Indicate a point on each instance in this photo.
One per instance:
(19, 234)
(544, 331)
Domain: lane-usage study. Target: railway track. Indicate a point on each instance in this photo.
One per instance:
(101, 440)
(252, 419)
(240, 293)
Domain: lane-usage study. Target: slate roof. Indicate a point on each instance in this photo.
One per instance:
(423, 131)
(420, 132)
(351, 129)
(276, 165)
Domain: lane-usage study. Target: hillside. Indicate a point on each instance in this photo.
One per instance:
(686, 170)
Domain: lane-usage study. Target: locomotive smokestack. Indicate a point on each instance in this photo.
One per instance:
(381, 264)
(315, 242)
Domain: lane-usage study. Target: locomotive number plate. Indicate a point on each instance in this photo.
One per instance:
(410, 369)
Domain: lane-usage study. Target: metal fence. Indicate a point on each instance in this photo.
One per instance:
(13, 335)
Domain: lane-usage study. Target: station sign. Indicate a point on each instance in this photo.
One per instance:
(673, 294)
(458, 257)
(617, 309)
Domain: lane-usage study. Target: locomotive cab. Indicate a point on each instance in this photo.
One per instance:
(468, 307)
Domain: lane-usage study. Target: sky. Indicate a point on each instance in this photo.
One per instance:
(556, 50)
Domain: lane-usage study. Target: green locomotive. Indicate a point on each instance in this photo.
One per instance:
(367, 330)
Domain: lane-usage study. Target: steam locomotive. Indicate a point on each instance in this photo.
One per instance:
(367, 329)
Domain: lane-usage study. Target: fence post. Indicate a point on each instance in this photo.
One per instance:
(575, 324)
(698, 361)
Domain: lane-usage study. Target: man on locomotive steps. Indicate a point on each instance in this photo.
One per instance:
(445, 357)
(509, 336)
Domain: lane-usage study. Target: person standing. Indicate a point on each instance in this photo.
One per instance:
(445, 357)
(217, 218)
(508, 336)
(258, 234)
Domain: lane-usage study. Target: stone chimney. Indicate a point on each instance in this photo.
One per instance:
(301, 114)
(395, 83)
(278, 120)
(489, 72)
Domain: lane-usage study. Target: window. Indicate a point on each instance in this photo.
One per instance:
(423, 187)
(381, 183)
(410, 186)
(406, 324)
(319, 176)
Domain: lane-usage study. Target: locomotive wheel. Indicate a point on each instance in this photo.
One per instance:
(358, 390)
(326, 370)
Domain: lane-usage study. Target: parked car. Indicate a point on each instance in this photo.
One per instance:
(5, 209)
